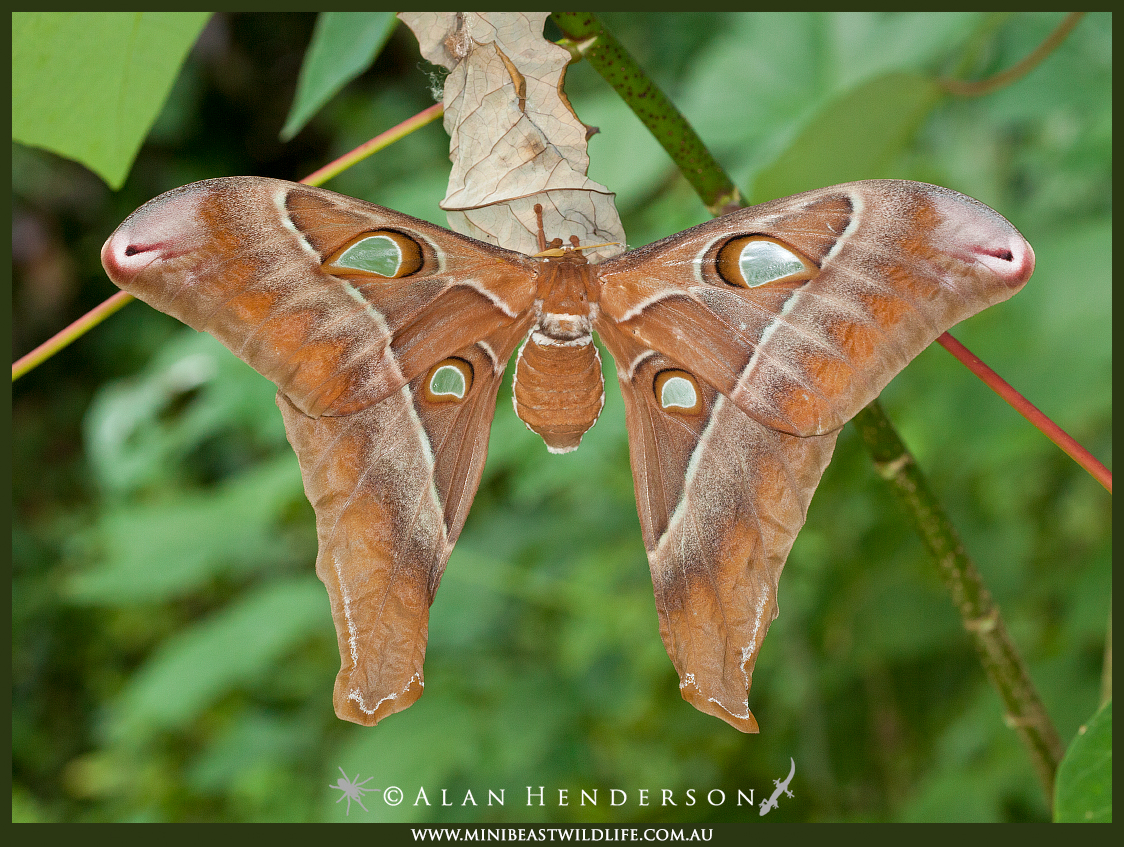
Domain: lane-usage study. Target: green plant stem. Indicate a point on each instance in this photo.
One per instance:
(608, 57)
(979, 613)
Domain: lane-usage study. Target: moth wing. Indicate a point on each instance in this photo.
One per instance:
(387, 381)
(721, 498)
(801, 310)
(735, 392)
(279, 273)
(391, 486)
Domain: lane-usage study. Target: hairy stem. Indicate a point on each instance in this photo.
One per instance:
(979, 613)
(608, 57)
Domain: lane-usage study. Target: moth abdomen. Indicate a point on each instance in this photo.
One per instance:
(559, 389)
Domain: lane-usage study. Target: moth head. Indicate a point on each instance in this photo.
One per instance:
(573, 253)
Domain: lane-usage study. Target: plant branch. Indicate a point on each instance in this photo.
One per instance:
(367, 148)
(979, 613)
(1029, 411)
(977, 88)
(73, 332)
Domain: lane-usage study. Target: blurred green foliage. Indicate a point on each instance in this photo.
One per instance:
(173, 653)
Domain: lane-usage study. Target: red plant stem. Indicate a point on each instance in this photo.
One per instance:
(76, 330)
(1029, 411)
(319, 177)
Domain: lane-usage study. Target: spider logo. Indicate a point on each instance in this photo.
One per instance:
(352, 790)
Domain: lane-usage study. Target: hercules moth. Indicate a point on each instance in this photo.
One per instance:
(741, 346)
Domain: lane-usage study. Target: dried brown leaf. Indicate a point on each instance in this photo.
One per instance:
(514, 139)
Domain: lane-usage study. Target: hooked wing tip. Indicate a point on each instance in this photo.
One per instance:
(124, 258)
(163, 228)
(353, 705)
(743, 723)
(977, 233)
(1012, 260)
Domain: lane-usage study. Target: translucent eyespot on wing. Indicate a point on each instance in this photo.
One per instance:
(753, 260)
(448, 381)
(677, 391)
(384, 253)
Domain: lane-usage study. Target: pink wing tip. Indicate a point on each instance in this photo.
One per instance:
(1012, 262)
(161, 229)
(123, 259)
(977, 233)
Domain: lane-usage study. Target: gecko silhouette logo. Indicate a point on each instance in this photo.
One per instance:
(354, 790)
(782, 785)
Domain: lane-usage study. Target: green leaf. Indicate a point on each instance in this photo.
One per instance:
(237, 645)
(344, 45)
(854, 137)
(1083, 793)
(89, 85)
(159, 550)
